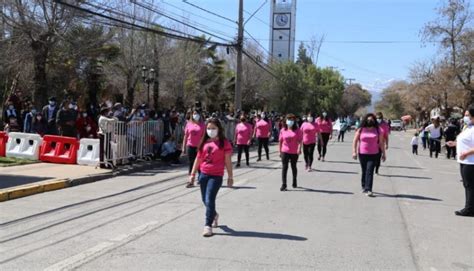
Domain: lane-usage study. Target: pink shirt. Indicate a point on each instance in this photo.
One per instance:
(385, 129)
(194, 131)
(263, 128)
(243, 133)
(309, 130)
(324, 126)
(213, 158)
(369, 141)
(290, 140)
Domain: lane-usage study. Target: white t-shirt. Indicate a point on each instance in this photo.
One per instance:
(414, 140)
(434, 132)
(465, 142)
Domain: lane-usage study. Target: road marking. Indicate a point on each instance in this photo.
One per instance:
(104, 247)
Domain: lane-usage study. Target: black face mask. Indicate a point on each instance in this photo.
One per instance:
(370, 123)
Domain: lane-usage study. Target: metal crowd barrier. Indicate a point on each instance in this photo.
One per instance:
(131, 141)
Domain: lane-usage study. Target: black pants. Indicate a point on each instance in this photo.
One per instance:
(467, 173)
(105, 150)
(263, 142)
(425, 142)
(450, 152)
(172, 157)
(285, 159)
(414, 149)
(323, 144)
(308, 151)
(192, 153)
(435, 146)
(340, 137)
(241, 148)
(367, 164)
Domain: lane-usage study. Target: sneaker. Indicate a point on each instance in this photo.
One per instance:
(363, 191)
(283, 187)
(370, 194)
(215, 224)
(322, 159)
(319, 158)
(464, 212)
(207, 231)
(259, 159)
(238, 165)
(294, 185)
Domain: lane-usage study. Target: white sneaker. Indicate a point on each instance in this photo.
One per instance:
(207, 231)
(370, 194)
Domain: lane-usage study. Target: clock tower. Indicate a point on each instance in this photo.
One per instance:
(282, 35)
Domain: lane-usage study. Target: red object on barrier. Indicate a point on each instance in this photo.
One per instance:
(3, 143)
(59, 150)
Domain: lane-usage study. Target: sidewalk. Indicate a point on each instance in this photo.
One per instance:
(26, 180)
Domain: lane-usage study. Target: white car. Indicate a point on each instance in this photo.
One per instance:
(396, 125)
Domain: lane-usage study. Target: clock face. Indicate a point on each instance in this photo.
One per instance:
(282, 19)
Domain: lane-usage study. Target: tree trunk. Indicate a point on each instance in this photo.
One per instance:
(40, 56)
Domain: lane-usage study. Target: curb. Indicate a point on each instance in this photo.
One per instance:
(51, 185)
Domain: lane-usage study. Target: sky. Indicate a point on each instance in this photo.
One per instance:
(342, 22)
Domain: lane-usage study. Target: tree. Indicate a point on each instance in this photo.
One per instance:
(391, 102)
(454, 29)
(41, 23)
(324, 89)
(354, 98)
(288, 90)
(303, 59)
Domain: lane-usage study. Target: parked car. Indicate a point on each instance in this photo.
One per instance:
(396, 125)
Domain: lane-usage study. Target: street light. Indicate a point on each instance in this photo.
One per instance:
(148, 76)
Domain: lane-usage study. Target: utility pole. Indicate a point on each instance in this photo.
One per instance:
(240, 47)
(350, 80)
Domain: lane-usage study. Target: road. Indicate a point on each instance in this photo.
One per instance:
(149, 221)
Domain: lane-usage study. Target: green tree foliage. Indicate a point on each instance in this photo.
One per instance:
(303, 59)
(354, 98)
(391, 103)
(324, 89)
(288, 88)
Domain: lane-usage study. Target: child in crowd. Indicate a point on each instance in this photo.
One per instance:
(414, 144)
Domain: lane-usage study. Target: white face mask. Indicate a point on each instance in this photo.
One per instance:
(263, 115)
(310, 119)
(325, 114)
(290, 123)
(212, 133)
(196, 117)
(71, 106)
(467, 120)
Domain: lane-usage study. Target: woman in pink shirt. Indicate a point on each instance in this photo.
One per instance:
(243, 136)
(385, 128)
(290, 147)
(262, 133)
(214, 154)
(310, 130)
(193, 133)
(325, 133)
(369, 143)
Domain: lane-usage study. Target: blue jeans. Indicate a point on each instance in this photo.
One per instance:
(210, 185)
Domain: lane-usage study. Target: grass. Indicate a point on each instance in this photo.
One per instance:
(9, 162)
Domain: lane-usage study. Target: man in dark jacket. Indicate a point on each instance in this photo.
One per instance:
(66, 120)
(49, 114)
(451, 132)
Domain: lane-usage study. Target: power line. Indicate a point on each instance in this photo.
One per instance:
(256, 11)
(197, 15)
(144, 28)
(208, 11)
(152, 9)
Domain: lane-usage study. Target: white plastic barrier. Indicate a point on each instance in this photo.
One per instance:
(88, 153)
(25, 146)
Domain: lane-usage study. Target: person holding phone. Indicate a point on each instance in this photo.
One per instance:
(214, 155)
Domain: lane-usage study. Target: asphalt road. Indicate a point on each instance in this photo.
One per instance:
(149, 221)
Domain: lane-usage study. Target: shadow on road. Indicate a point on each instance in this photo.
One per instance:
(405, 177)
(304, 189)
(337, 171)
(405, 196)
(239, 187)
(8, 181)
(230, 232)
(357, 163)
(264, 167)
